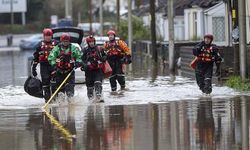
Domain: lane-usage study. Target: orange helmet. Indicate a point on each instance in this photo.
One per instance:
(90, 39)
(65, 37)
(47, 32)
(210, 36)
(111, 32)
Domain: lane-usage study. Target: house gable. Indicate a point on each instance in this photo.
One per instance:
(217, 10)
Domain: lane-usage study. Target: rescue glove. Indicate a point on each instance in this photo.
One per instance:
(128, 59)
(77, 64)
(53, 73)
(123, 59)
(84, 67)
(217, 72)
(34, 73)
(103, 58)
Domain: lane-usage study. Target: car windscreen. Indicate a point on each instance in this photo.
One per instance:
(72, 35)
(75, 34)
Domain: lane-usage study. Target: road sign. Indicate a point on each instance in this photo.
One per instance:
(18, 6)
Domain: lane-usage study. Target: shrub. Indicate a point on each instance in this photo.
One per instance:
(238, 84)
(139, 31)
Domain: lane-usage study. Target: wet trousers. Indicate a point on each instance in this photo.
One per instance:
(94, 80)
(203, 74)
(45, 71)
(117, 74)
(68, 86)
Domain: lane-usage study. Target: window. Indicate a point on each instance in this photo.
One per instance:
(218, 24)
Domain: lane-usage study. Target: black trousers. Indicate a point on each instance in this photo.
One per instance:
(45, 71)
(94, 80)
(203, 74)
(117, 74)
(69, 86)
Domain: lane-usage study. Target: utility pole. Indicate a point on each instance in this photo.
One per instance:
(130, 32)
(90, 16)
(153, 32)
(11, 12)
(117, 15)
(101, 17)
(171, 36)
(66, 8)
(79, 17)
(70, 9)
(242, 39)
(130, 29)
(235, 26)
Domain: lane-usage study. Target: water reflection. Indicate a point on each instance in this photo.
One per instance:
(245, 124)
(107, 129)
(54, 129)
(205, 128)
(206, 124)
(94, 136)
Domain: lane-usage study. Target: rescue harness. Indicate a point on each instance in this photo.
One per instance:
(45, 47)
(65, 62)
(206, 54)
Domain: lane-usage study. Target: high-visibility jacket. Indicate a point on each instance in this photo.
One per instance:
(117, 48)
(43, 50)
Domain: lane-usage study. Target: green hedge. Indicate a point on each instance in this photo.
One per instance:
(22, 29)
(238, 84)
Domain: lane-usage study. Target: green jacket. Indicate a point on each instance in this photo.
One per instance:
(56, 52)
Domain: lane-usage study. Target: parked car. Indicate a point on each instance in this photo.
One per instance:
(95, 27)
(31, 42)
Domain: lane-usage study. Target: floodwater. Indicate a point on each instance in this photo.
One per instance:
(156, 113)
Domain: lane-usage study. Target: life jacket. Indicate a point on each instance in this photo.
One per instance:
(93, 58)
(45, 48)
(206, 54)
(113, 48)
(65, 61)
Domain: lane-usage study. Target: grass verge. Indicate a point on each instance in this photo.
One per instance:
(238, 84)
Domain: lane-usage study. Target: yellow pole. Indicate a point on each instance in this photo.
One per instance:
(53, 95)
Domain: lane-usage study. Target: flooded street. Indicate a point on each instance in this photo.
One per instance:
(156, 113)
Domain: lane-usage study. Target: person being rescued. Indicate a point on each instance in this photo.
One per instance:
(64, 58)
(93, 57)
(206, 54)
(119, 54)
(41, 54)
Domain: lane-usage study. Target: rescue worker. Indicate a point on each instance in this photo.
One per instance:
(206, 54)
(64, 58)
(93, 56)
(41, 56)
(119, 54)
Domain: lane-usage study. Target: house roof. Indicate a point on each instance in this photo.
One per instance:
(179, 5)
